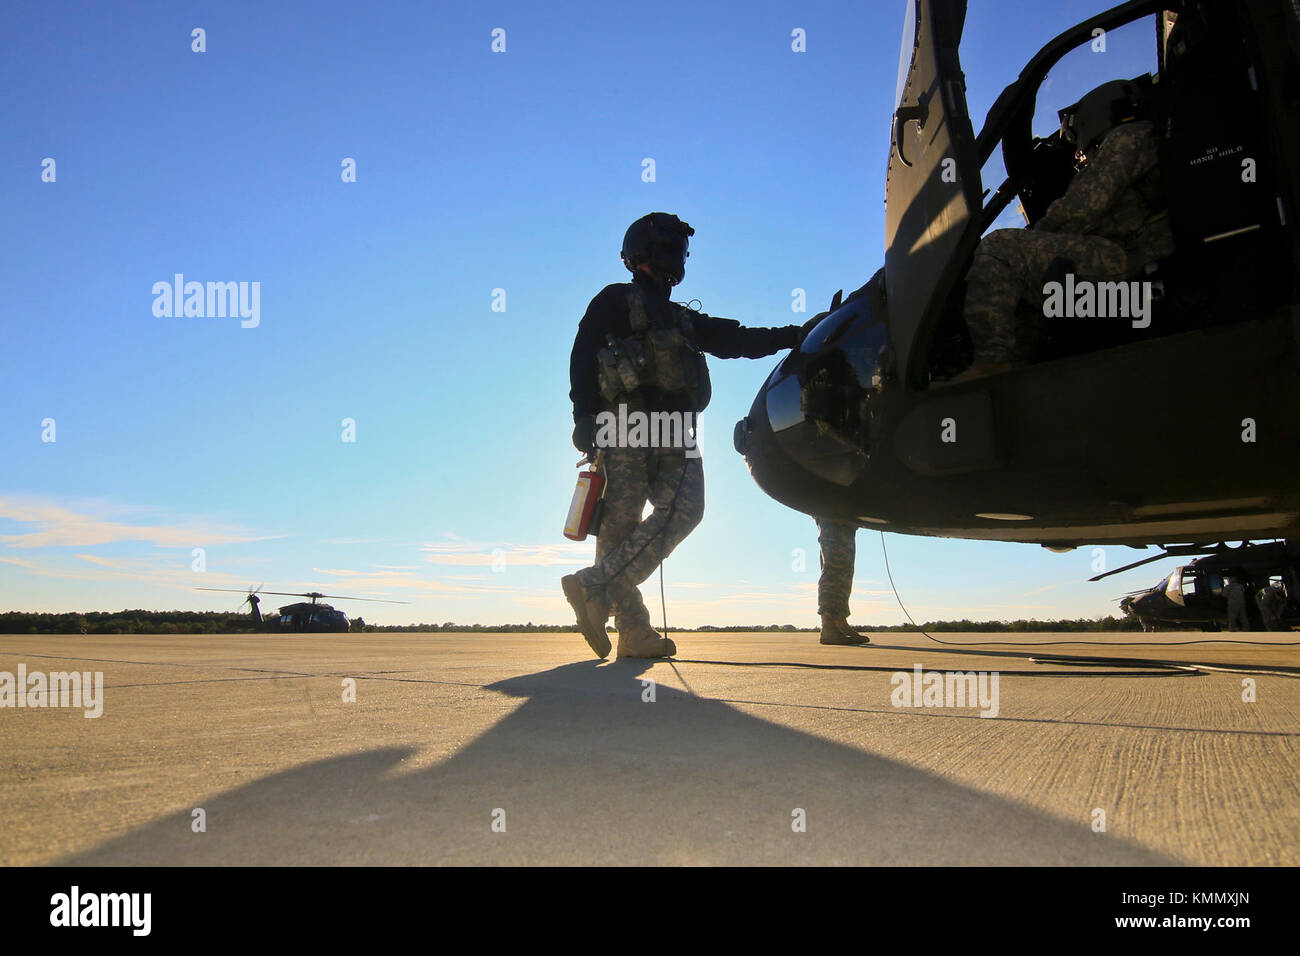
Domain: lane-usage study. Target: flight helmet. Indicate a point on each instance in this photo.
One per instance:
(660, 239)
(1099, 111)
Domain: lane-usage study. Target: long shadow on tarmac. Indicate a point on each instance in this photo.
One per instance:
(586, 772)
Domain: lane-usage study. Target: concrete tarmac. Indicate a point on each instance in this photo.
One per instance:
(748, 749)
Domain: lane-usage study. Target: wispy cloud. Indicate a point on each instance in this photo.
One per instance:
(1048, 587)
(21, 563)
(468, 554)
(153, 570)
(388, 580)
(89, 525)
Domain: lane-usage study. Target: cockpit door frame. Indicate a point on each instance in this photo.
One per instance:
(932, 187)
(1174, 585)
(931, 232)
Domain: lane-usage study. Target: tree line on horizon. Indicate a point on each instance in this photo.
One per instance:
(224, 622)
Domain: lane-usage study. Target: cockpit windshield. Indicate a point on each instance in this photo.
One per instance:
(1118, 54)
(1122, 52)
(818, 400)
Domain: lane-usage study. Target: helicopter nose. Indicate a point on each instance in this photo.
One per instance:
(769, 464)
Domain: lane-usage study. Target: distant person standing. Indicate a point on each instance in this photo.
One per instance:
(1270, 601)
(1235, 592)
(837, 541)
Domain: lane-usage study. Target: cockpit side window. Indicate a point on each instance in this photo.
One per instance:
(1120, 53)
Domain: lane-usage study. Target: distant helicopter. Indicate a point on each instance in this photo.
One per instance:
(1185, 431)
(1192, 595)
(301, 617)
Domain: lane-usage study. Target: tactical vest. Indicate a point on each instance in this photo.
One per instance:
(655, 356)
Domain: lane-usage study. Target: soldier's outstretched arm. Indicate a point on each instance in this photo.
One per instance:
(727, 338)
(1126, 155)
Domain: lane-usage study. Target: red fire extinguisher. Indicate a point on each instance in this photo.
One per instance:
(584, 517)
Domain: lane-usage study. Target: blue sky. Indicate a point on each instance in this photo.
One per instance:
(475, 171)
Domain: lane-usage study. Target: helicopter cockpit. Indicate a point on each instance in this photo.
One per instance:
(1191, 586)
(1222, 143)
(870, 420)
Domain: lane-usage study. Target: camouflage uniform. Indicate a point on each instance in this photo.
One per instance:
(1238, 618)
(1270, 602)
(1108, 224)
(838, 549)
(629, 549)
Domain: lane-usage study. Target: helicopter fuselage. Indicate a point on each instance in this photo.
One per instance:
(306, 617)
(1177, 425)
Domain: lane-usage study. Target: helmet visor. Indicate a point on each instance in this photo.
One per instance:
(670, 256)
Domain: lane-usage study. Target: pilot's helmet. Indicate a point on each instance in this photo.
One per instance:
(1098, 112)
(662, 240)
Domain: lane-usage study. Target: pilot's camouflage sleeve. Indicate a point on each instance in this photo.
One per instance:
(1109, 223)
(1009, 268)
(727, 338)
(838, 544)
(1124, 156)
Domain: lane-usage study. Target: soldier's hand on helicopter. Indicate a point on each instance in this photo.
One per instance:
(584, 434)
(810, 325)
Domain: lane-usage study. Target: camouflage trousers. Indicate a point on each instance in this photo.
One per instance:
(838, 542)
(629, 549)
(1009, 270)
(1270, 611)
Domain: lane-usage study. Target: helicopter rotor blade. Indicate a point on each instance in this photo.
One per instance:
(244, 591)
(316, 595)
(1135, 593)
(305, 594)
(1130, 567)
(344, 597)
(1174, 551)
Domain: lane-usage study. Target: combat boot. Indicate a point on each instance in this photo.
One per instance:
(591, 614)
(836, 630)
(647, 643)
